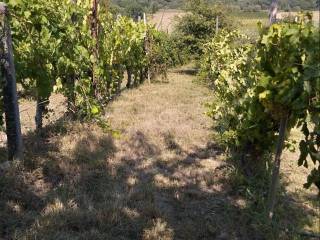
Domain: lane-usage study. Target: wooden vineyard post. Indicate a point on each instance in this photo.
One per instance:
(273, 12)
(146, 46)
(276, 166)
(282, 134)
(11, 107)
(217, 25)
(95, 47)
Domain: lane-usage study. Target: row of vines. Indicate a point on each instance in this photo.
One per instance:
(1, 106)
(79, 49)
(263, 89)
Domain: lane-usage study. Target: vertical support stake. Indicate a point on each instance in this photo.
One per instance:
(95, 47)
(282, 131)
(276, 167)
(273, 12)
(217, 25)
(146, 46)
(11, 107)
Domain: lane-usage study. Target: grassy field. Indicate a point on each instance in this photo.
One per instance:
(249, 20)
(315, 14)
(246, 22)
(161, 177)
(165, 19)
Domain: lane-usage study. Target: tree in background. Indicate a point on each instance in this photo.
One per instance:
(135, 8)
(151, 6)
(196, 28)
(245, 5)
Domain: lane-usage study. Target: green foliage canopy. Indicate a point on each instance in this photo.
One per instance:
(53, 47)
(199, 25)
(258, 84)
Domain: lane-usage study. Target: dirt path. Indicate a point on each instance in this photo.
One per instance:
(168, 158)
(161, 177)
(169, 115)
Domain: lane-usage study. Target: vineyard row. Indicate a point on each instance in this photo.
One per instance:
(78, 49)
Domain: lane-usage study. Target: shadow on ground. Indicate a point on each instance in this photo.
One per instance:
(3, 154)
(94, 190)
(187, 71)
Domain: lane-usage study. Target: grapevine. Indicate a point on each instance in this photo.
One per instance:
(54, 53)
(258, 84)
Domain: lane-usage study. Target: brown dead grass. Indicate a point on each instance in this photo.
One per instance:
(57, 108)
(164, 20)
(315, 14)
(162, 177)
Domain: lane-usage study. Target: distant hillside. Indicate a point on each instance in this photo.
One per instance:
(149, 5)
(246, 5)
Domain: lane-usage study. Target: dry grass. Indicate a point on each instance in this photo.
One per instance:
(162, 178)
(56, 108)
(164, 20)
(248, 22)
(315, 14)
